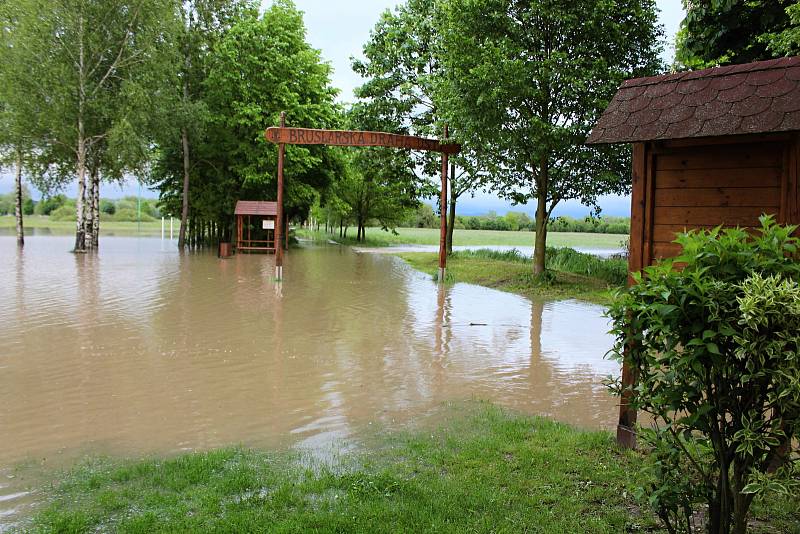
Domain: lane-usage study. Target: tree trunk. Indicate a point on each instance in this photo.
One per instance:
(80, 205)
(539, 249)
(451, 216)
(185, 200)
(18, 201)
(95, 208)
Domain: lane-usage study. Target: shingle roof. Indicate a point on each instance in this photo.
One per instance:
(755, 97)
(256, 207)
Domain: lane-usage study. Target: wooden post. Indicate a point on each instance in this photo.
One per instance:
(626, 433)
(279, 215)
(443, 214)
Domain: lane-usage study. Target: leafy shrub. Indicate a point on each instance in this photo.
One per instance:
(131, 215)
(107, 206)
(48, 205)
(63, 213)
(714, 339)
(28, 206)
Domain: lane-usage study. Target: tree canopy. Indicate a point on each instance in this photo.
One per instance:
(527, 80)
(721, 32)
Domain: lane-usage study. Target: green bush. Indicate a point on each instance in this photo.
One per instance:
(28, 206)
(715, 345)
(107, 206)
(130, 215)
(6, 205)
(64, 213)
(48, 205)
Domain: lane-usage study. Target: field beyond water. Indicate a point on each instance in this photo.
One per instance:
(430, 236)
(478, 468)
(571, 274)
(43, 222)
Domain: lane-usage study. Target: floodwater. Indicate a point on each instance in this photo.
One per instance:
(140, 350)
(523, 250)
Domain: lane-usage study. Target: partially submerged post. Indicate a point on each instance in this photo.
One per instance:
(307, 136)
(279, 213)
(712, 147)
(443, 216)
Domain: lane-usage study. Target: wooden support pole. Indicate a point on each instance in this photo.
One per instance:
(443, 214)
(626, 427)
(279, 215)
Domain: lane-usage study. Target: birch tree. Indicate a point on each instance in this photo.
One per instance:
(86, 78)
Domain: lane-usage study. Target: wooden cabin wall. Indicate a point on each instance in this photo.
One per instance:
(703, 183)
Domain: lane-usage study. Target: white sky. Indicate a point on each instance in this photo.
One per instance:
(339, 29)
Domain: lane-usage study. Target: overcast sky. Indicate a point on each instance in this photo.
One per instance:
(339, 28)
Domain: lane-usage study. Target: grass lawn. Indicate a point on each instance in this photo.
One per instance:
(575, 275)
(430, 236)
(43, 222)
(478, 469)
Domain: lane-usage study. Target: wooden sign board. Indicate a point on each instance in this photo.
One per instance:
(267, 224)
(308, 136)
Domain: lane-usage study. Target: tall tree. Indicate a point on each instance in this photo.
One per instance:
(15, 141)
(87, 63)
(720, 32)
(203, 25)
(259, 66)
(403, 69)
(528, 79)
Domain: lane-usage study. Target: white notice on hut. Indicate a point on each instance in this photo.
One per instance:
(268, 224)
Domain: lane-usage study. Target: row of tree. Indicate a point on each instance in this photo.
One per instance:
(179, 93)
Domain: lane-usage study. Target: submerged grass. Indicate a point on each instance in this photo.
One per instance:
(487, 471)
(572, 274)
(478, 469)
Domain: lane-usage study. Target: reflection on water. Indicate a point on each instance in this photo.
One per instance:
(142, 350)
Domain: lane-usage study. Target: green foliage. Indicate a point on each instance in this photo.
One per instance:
(63, 213)
(244, 72)
(480, 469)
(786, 41)
(611, 270)
(526, 81)
(131, 215)
(28, 206)
(107, 206)
(49, 204)
(720, 32)
(422, 217)
(716, 348)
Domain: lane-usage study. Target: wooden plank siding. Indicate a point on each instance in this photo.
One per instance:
(700, 186)
(699, 183)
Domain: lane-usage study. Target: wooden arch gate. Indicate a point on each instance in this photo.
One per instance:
(306, 136)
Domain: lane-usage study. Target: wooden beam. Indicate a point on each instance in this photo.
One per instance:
(309, 136)
(279, 214)
(443, 217)
(626, 434)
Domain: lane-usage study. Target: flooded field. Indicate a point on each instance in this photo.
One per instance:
(140, 350)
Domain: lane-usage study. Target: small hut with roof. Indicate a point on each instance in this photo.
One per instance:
(712, 147)
(255, 225)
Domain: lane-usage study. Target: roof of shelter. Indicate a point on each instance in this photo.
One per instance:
(758, 97)
(256, 207)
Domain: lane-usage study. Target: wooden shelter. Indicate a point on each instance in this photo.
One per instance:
(255, 225)
(712, 147)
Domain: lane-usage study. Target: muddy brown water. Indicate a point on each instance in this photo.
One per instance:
(140, 350)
